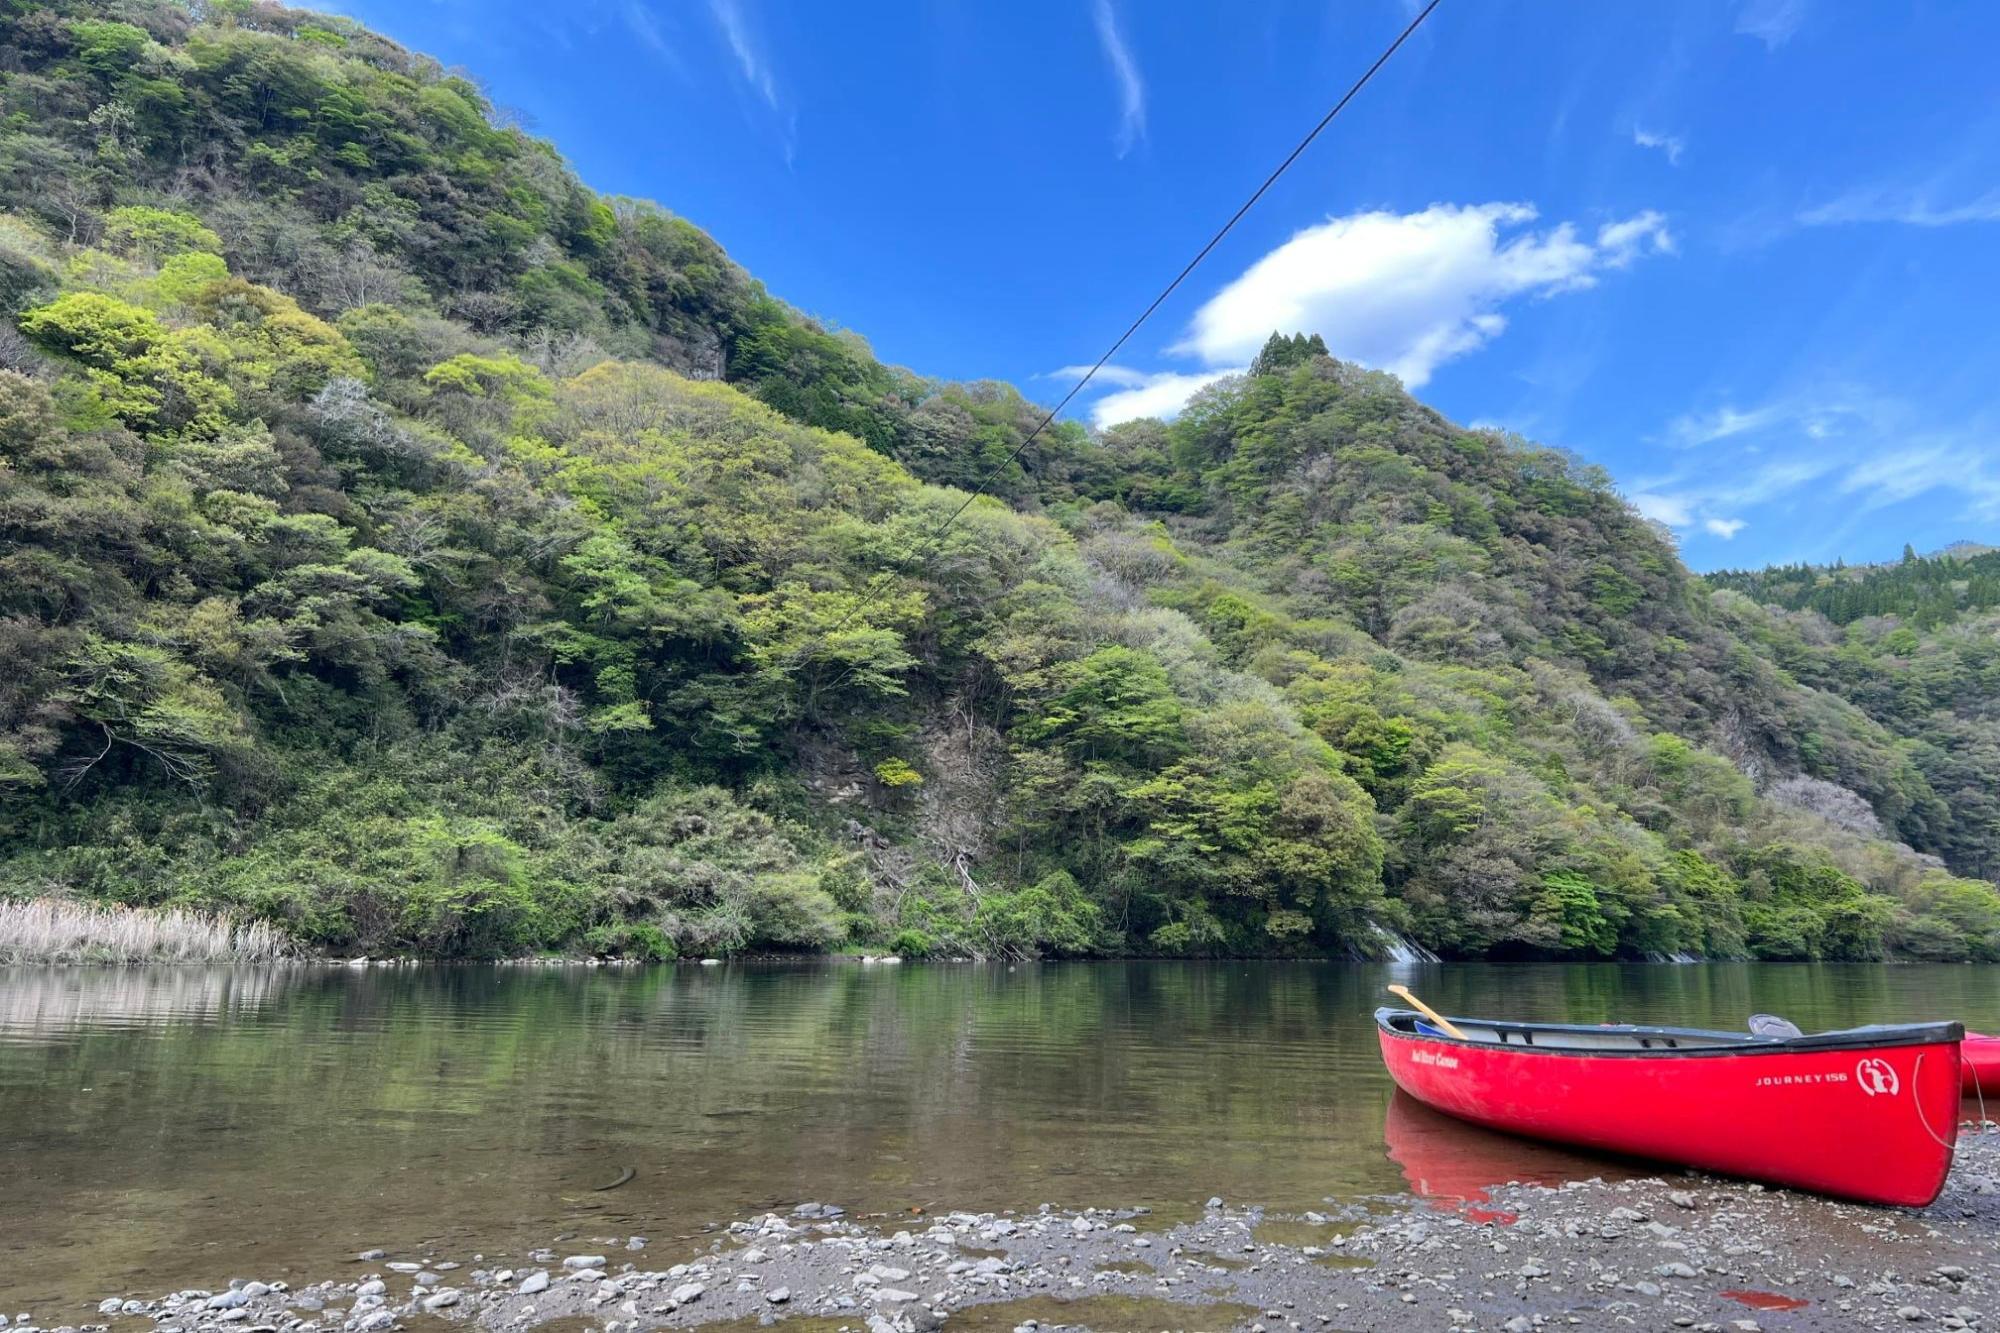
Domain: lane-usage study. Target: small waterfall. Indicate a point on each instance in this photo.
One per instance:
(1677, 956)
(1399, 950)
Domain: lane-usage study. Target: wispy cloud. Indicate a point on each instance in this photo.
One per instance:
(754, 65)
(1408, 292)
(1772, 22)
(1915, 208)
(1720, 423)
(750, 60)
(1871, 449)
(1111, 374)
(1125, 73)
(644, 24)
(1670, 144)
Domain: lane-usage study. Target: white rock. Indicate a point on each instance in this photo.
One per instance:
(534, 1282)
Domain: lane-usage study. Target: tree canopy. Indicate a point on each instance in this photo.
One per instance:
(401, 544)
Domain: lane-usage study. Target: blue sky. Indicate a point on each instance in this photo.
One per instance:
(1740, 253)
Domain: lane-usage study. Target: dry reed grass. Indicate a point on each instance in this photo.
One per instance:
(54, 930)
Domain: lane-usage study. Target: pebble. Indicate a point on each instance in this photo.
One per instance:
(534, 1282)
(778, 1295)
(578, 1261)
(443, 1299)
(687, 1292)
(370, 1256)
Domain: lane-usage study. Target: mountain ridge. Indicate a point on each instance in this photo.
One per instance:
(372, 571)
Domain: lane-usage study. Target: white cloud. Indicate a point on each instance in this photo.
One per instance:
(1124, 72)
(1834, 451)
(1771, 22)
(750, 59)
(1912, 208)
(1408, 292)
(1941, 462)
(1670, 144)
(1619, 243)
(755, 67)
(645, 25)
(1162, 395)
(1723, 422)
(1110, 374)
(1673, 510)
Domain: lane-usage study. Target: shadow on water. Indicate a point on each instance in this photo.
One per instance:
(184, 1126)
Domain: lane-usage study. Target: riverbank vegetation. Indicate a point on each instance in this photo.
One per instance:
(405, 547)
(52, 931)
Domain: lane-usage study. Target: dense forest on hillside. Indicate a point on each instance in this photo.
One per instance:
(1922, 592)
(405, 546)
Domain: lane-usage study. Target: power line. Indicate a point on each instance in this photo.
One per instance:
(937, 537)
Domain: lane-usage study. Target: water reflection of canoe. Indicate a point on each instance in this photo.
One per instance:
(1868, 1114)
(1455, 1165)
(1981, 1065)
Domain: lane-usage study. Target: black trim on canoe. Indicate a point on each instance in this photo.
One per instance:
(1663, 1042)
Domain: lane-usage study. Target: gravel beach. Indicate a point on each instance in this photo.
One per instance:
(1664, 1252)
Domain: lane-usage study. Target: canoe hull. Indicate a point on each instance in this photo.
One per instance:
(1877, 1124)
(1981, 1065)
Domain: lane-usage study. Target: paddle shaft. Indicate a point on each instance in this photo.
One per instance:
(1444, 1024)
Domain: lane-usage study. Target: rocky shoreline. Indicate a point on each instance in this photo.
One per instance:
(1687, 1252)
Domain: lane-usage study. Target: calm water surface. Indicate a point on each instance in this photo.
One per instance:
(161, 1128)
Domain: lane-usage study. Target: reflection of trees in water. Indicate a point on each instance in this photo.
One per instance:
(51, 1001)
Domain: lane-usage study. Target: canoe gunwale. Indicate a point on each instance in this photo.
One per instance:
(1729, 1044)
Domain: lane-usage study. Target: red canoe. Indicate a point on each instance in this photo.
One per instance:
(1981, 1065)
(1869, 1114)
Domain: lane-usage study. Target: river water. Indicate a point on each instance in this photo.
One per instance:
(173, 1127)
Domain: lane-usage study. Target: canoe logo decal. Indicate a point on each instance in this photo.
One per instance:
(1876, 1075)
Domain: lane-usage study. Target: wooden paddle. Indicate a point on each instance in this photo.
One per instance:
(1444, 1024)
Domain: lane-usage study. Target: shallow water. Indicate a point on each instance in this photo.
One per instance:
(163, 1128)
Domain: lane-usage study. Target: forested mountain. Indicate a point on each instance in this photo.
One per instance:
(404, 545)
(1921, 591)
